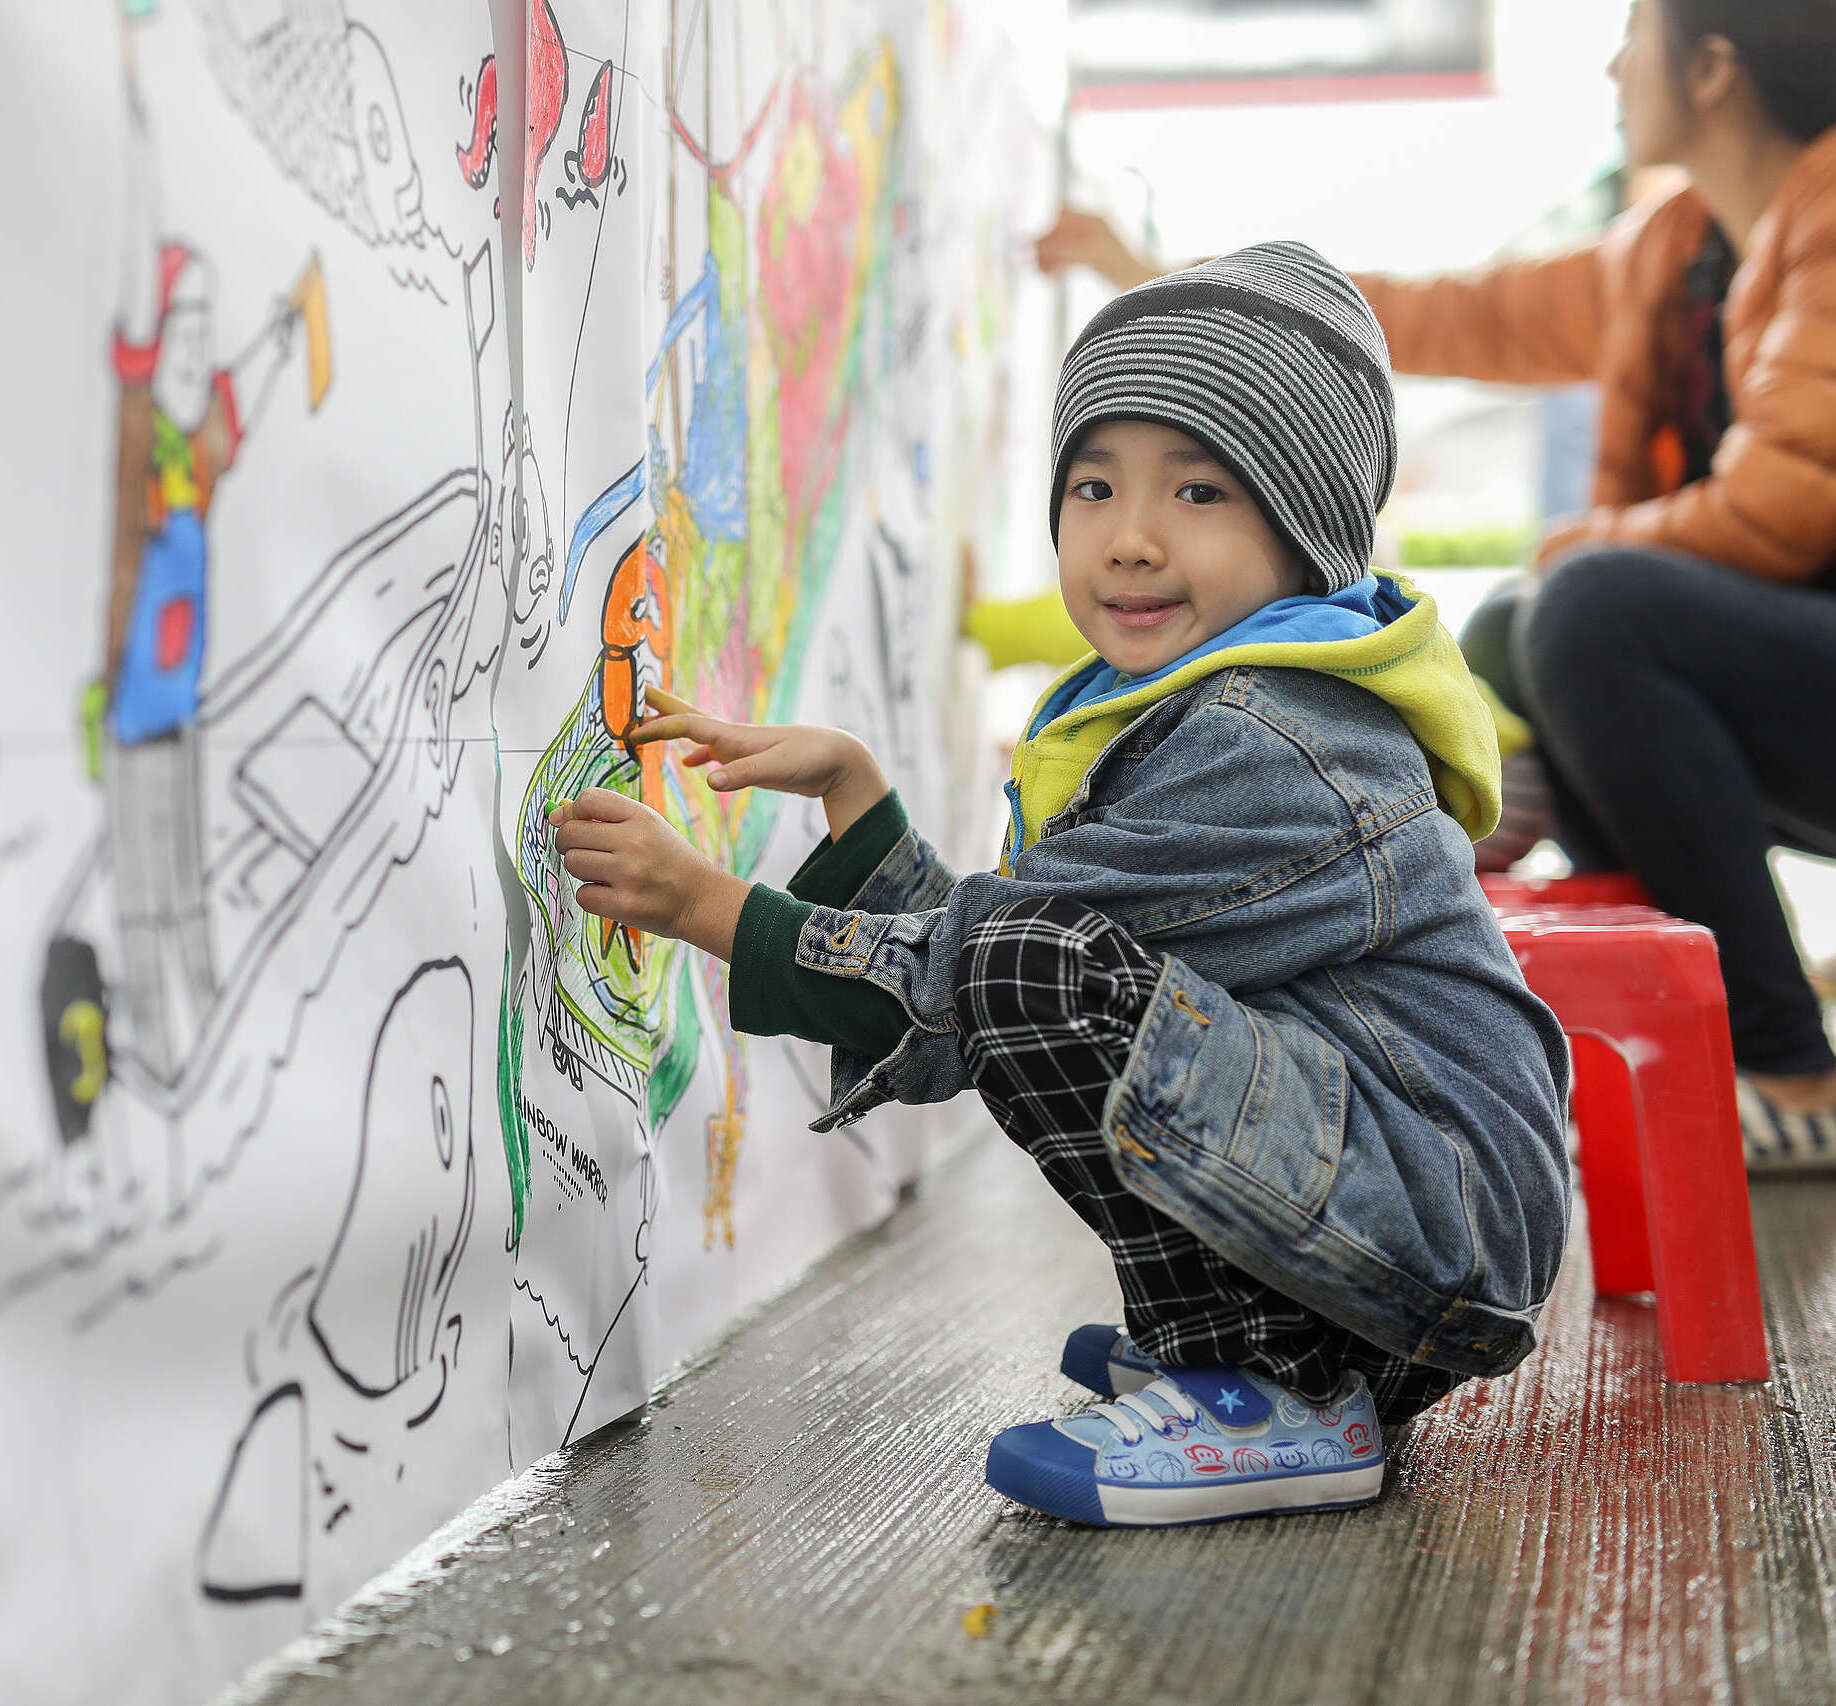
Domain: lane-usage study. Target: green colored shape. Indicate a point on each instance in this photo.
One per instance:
(1476, 547)
(727, 244)
(581, 757)
(669, 1077)
(92, 712)
(510, 1118)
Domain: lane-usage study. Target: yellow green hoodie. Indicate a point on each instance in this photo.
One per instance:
(1411, 663)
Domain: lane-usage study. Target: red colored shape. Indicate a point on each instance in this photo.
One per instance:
(173, 628)
(1640, 996)
(475, 158)
(1339, 90)
(134, 363)
(546, 96)
(1590, 888)
(1249, 1461)
(807, 270)
(596, 129)
(1358, 1440)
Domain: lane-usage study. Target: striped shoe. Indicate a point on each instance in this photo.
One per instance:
(1781, 1142)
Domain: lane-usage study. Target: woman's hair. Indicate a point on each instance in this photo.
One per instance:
(1787, 47)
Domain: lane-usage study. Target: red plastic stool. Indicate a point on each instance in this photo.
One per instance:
(1589, 888)
(1640, 996)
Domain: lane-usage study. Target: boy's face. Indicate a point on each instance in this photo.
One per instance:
(1160, 548)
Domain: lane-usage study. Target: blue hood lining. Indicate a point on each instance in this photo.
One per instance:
(1363, 608)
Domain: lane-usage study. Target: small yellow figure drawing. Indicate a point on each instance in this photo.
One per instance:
(726, 1132)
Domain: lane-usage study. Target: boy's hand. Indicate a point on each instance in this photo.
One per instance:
(791, 758)
(633, 867)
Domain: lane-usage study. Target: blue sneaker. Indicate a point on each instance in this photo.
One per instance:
(1105, 1360)
(1194, 1445)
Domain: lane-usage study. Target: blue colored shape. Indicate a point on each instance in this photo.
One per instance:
(713, 476)
(150, 701)
(704, 291)
(594, 520)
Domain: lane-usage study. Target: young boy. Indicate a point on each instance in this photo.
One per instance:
(1234, 987)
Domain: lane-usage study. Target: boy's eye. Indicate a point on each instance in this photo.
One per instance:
(1093, 491)
(1201, 492)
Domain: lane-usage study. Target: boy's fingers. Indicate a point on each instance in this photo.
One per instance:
(668, 702)
(601, 805)
(741, 773)
(694, 726)
(587, 832)
(598, 900)
(589, 864)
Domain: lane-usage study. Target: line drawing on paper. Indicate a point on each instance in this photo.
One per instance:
(338, 1361)
(195, 931)
(316, 88)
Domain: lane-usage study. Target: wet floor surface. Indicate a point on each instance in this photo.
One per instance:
(804, 1519)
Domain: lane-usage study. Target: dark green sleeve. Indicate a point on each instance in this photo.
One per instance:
(770, 995)
(834, 872)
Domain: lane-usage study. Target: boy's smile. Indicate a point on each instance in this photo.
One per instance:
(1160, 548)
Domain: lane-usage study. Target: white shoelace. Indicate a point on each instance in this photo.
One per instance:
(1128, 1412)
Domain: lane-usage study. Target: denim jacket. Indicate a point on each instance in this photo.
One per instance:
(1341, 1083)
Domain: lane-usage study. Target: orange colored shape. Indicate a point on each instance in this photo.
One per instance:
(1669, 459)
(634, 632)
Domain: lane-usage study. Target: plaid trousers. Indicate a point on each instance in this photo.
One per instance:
(1049, 996)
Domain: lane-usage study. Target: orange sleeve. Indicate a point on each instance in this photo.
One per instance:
(1768, 502)
(1534, 322)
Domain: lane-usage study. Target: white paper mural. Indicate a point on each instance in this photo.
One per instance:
(402, 386)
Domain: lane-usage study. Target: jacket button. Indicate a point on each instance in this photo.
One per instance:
(1129, 1146)
(1186, 1007)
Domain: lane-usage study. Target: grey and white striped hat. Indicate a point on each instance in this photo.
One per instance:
(1274, 362)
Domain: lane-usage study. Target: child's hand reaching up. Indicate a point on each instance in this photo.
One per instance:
(633, 867)
(791, 758)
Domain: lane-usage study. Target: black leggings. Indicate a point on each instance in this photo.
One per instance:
(1049, 995)
(1687, 716)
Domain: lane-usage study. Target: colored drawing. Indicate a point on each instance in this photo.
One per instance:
(370, 494)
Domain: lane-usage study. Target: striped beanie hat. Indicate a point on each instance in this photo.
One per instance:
(1273, 361)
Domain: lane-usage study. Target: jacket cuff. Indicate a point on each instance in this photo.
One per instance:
(833, 873)
(764, 957)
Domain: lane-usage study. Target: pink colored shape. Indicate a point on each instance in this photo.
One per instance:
(547, 95)
(808, 269)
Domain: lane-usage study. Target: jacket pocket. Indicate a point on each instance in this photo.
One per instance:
(1232, 1095)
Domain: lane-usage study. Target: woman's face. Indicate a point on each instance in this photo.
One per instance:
(1654, 120)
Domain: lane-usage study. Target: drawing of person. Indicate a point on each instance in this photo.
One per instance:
(182, 422)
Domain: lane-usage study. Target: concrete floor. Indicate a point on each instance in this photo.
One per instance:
(803, 1518)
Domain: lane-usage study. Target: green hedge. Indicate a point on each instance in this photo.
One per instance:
(1474, 548)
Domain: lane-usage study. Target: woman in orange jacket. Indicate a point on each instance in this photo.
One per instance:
(1675, 646)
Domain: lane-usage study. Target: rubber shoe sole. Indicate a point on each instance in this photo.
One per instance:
(1036, 1466)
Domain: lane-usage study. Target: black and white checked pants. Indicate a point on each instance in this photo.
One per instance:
(1049, 996)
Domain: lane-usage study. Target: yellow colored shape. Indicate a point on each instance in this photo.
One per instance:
(81, 1026)
(726, 1131)
(978, 1621)
(178, 490)
(868, 119)
(308, 301)
(800, 172)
